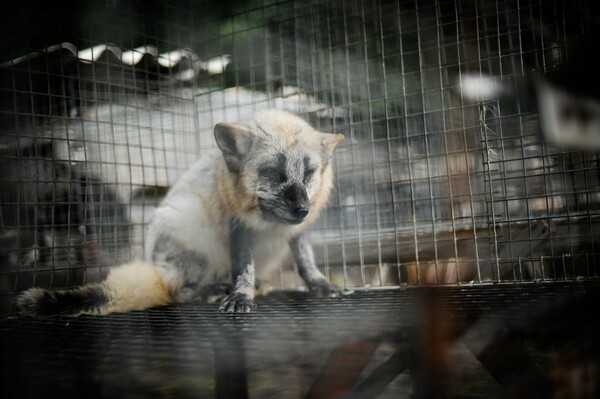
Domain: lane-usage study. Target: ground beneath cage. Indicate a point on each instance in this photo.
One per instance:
(519, 340)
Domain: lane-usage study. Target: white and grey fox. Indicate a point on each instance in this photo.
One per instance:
(235, 210)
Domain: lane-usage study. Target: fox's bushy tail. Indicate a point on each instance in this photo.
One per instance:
(132, 286)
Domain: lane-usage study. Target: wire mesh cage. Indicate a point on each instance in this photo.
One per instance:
(468, 178)
(444, 177)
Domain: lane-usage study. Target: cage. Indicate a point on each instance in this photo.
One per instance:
(465, 213)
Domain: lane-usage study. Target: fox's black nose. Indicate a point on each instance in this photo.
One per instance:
(300, 213)
(297, 199)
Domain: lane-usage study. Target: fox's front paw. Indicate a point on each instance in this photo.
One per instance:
(323, 288)
(237, 303)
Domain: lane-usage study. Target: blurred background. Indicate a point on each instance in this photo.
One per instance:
(472, 130)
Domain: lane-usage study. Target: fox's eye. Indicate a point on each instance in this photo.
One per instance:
(273, 174)
(308, 174)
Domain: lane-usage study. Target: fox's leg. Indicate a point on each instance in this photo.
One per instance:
(305, 261)
(241, 299)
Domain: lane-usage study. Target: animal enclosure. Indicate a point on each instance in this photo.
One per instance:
(446, 176)
(465, 215)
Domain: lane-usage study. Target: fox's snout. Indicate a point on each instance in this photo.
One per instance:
(297, 198)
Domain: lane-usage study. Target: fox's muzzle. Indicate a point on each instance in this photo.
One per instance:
(297, 200)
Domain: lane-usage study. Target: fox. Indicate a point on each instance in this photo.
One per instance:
(238, 211)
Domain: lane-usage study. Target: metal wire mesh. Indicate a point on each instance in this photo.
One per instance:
(434, 185)
(505, 341)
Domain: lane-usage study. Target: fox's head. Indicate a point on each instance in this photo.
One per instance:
(277, 168)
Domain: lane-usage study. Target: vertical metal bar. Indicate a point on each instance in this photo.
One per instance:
(427, 157)
(351, 116)
(474, 215)
(408, 152)
(390, 173)
(341, 209)
(372, 148)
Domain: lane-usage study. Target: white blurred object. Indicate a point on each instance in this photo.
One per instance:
(216, 65)
(92, 54)
(569, 119)
(481, 87)
(132, 57)
(183, 64)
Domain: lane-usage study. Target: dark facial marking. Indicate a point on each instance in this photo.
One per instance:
(274, 170)
(290, 208)
(291, 205)
(296, 195)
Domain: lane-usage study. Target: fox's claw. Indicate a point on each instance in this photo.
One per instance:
(323, 288)
(237, 303)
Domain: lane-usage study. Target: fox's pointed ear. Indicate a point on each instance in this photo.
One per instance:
(235, 142)
(329, 142)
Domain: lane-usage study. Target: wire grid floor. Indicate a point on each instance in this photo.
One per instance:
(518, 340)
